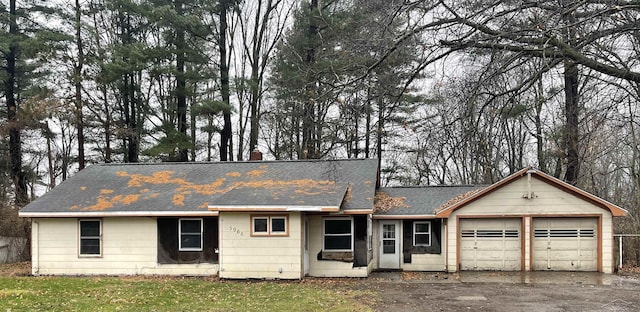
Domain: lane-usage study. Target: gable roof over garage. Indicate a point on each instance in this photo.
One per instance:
(182, 189)
(446, 210)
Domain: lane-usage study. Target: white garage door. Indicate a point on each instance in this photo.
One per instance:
(490, 244)
(565, 244)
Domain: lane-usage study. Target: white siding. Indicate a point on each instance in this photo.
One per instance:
(419, 262)
(425, 262)
(329, 268)
(547, 201)
(129, 246)
(246, 256)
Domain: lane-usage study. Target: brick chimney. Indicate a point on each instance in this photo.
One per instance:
(255, 155)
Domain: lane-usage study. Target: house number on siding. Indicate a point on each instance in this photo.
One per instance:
(235, 230)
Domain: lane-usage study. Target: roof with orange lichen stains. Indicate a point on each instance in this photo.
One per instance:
(417, 201)
(167, 187)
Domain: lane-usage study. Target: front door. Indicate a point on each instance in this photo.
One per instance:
(389, 245)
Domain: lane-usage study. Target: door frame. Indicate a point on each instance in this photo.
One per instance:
(393, 259)
(305, 245)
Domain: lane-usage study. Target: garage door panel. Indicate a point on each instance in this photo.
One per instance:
(490, 244)
(565, 244)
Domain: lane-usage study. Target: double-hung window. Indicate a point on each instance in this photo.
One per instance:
(90, 239)
(190, 234)
(338, 234)
(265, 225)
(422, 233)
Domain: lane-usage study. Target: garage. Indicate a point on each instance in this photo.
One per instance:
(565, 244)
(490, 244)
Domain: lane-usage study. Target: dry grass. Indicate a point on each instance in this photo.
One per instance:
(15, 269)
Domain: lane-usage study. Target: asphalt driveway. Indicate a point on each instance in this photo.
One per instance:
(504, 291)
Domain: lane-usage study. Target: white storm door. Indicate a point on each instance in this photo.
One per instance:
(389, 245)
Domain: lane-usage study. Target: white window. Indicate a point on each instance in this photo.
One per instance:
(338, 234)
(265, 225)
(190, 234)
(422, 233)
(90, 239)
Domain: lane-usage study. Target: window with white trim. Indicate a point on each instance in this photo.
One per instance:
(266, 225)
(90, 238)
(190, 234)
(338, 234)
(421, 233)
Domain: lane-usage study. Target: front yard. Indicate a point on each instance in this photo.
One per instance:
(27, 293)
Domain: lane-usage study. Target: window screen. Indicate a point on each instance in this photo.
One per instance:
(90, 238)
(190, 232)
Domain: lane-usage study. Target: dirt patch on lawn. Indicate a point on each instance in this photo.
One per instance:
(15, 269)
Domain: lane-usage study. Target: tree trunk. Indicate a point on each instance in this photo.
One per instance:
(77, 80)
(52, 175)
(225, 134)
(571, 127)
(181, 87)
(309, 114)
(107, 125)
(129, 98)
(15, 143)
(542, 158)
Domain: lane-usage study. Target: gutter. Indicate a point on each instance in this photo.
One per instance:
(97, 214)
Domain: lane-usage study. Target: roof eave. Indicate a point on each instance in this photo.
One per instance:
(615, 210)
(101, 214)
(403, 217)
(273, 208)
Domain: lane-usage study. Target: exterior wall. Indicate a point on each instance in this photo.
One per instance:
(129, 246)
(246, 256)
(419, 262)
(428, 262)
(329, 268)
(547, 201)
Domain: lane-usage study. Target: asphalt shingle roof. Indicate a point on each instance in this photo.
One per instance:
(167, 187)
(419, 200)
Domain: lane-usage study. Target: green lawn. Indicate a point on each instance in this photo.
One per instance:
(175, 294)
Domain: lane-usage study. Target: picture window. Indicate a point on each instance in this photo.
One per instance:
(338, 234)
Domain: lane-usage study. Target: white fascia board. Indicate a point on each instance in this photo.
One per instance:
(389, 217)
(96, 214)
(274, 208)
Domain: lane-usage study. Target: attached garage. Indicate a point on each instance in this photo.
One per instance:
(529, 221)
(490, 244)
(565, 244)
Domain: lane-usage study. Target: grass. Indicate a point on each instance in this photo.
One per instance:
(24, 293)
